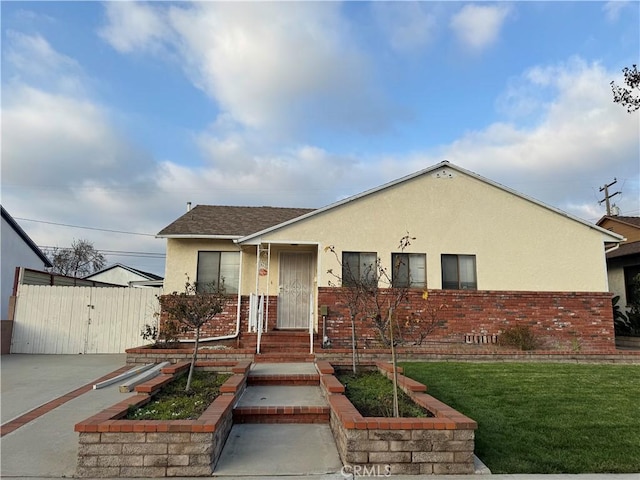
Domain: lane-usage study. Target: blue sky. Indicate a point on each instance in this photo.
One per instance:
(115, 114)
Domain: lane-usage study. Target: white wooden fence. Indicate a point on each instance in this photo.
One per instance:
(71, 320)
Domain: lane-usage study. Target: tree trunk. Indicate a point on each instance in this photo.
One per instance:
(354, 347)
(396, 410)
(194, 358)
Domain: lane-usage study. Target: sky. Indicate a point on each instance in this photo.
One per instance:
(116, 114)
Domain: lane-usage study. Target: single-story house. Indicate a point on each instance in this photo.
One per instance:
(623, 263)
(119, 274)
(491, 258)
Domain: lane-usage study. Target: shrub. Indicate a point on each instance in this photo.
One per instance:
(520, 336)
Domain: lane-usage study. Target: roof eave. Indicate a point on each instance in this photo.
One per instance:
(207, 237)
(26, 238)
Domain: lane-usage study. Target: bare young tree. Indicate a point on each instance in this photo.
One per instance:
(192, 309)
(629, 95)
(372, 295)
(80, 260)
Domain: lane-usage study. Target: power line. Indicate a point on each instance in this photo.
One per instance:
(123, 253)
(86, 228)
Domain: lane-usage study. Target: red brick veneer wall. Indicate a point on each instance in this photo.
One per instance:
(225, 322)
(560, 320)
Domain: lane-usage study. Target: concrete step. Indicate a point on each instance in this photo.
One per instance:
(284, 373)
(281, 404)
(284, 357)
(283, 392)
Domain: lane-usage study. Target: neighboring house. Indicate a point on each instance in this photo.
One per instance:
(491, 256)
(623, 263)
(18, 250)
(119, 274)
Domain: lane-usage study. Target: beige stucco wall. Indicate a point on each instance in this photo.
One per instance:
(518, 244)
(182, 259)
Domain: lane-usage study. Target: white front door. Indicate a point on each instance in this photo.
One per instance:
(296, 280)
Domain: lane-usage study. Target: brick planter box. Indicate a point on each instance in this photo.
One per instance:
(442, 444)
(147, 354)
(112, 447)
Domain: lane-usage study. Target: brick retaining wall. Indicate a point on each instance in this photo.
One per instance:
(112, 447)
(442, 444)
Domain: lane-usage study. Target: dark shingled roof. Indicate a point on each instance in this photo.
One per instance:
(632, 248)
(230, 221)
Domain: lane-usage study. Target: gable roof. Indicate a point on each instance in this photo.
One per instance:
(226, 222)
(147, 275)
(30, 243)
(611, 237)
(631, 221)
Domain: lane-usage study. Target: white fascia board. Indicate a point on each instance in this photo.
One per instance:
(208, 237)
(259, 241)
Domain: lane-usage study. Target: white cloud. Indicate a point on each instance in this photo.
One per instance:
(478, 26)
(49, 138)
(32, 59)
(409, 26)
(274, 69)
(578, 140)
(134, 26)
(613, 9)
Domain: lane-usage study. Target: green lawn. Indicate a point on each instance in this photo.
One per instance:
(544, 417)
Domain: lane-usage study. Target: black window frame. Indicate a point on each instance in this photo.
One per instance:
(457, 283)
(397, 264)
(230, 288)
(349, 277)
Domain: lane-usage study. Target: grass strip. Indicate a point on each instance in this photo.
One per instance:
(173, 403)
(544, 417)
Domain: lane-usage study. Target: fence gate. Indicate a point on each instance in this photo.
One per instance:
(72, 320)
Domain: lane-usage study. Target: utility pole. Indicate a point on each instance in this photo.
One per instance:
(606, 198)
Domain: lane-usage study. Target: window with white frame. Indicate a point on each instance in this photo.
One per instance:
(459, 272)
(408, 270)
(359, 267)
(218, 268)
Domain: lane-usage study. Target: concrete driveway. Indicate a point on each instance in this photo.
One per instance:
(47, 446)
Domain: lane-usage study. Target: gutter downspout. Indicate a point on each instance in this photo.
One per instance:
(233, 335)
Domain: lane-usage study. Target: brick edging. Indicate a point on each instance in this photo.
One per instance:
(112, 447)
(440, 444)
(37, 412)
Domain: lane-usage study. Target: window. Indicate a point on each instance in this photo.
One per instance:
(632, 290)
(459, 272)
(215, 268)
(408, 270)
(359, 266)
